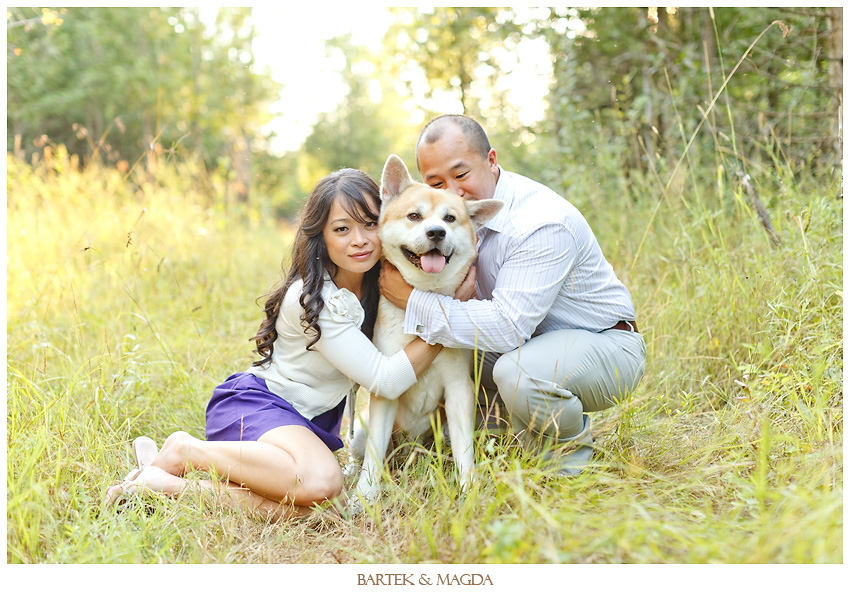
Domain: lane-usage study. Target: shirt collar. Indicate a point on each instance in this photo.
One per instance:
(503, 192)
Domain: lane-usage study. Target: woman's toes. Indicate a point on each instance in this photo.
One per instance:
(115, 492)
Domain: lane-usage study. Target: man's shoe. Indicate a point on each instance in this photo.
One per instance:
(576, 461)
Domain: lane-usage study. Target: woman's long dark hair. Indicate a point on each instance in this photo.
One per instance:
(310, 257)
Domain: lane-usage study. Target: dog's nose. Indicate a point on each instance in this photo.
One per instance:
(435, 234)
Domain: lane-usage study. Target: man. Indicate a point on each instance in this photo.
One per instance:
(556, 324)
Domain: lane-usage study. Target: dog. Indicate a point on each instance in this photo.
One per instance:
(430, 236)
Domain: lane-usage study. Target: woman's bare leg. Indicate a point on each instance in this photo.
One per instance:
(244, 499)
(287, 464)
(158, 480)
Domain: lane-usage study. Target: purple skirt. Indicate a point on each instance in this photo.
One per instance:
(244, 409)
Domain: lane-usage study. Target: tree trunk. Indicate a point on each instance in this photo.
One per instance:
(835, 54)
(646, 91)
(242, 166)
(197, 48)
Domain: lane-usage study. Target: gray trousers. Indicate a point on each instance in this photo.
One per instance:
(551, 380)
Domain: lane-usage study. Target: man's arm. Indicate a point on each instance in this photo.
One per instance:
(393, 286)
(527, 284)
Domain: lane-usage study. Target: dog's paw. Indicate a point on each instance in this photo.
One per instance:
(466, 481)
(351, 469)
(354, 506)
(367, 489)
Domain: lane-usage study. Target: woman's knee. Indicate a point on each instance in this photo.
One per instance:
(322, 483)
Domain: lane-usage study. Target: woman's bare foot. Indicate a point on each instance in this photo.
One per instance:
(175, 453)
(150, 478)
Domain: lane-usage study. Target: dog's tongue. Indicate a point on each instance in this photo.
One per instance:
(432, 262)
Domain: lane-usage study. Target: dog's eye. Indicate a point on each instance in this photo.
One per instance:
(449, 218)
(413, 216)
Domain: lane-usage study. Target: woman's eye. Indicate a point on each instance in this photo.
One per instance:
(413, 216)
(449, 218)
(340, 230)
(437, 185)
(459, 176)
(371, 224)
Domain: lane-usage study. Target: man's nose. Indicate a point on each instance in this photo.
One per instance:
(456, 188)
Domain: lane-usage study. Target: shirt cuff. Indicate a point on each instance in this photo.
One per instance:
(419, 306)
(401, 374)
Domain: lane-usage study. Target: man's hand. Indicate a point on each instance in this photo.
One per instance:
(393, 286)
(467, 289)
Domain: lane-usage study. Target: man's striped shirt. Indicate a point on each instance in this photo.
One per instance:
(539, 268)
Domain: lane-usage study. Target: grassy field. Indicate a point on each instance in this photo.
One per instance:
(130, 299)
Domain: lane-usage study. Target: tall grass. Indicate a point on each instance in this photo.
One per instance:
(129, 300)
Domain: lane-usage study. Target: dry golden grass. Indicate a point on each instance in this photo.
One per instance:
(130, 299)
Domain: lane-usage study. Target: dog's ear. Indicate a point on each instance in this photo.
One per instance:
(394, 179)
(480, 212)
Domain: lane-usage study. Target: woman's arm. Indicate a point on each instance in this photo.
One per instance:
(421, 355)
(348, 350)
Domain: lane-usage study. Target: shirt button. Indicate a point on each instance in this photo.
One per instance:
(420, 329)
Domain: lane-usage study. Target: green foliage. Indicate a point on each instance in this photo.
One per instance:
(628, 84)
(371, 124)
(451, 45)
(115, 81)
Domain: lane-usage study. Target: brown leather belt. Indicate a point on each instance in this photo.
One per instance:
(624, 326)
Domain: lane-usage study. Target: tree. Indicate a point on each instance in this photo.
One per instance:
(630, 83)
(369, 124)
(115, 82)
(450, 46)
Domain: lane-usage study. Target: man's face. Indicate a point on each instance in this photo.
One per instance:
(450, 163)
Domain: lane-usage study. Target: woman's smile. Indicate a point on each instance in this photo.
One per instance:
(362, 256)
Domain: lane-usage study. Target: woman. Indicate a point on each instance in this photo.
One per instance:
(271, 431)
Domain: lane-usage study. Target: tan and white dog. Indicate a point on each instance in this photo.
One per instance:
(429, 235)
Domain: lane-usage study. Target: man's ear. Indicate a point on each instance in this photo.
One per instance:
(482, 211)
(394, 179)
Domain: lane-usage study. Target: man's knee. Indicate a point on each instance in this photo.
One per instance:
(511, 383)
(532, 403)
(506, 376)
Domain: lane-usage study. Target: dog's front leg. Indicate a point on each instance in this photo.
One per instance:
(357, 446)
(382, 414)
(460, 417)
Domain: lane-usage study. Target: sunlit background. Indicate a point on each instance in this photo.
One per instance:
(271, 98)
(298, 60)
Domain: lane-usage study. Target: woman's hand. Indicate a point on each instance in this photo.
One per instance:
(393, 286)
(467, 289)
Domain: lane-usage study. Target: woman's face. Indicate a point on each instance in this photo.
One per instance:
(354, 247)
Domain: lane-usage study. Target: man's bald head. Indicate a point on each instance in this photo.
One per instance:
(476, 138)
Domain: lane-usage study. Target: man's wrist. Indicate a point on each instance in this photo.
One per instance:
(419, 305)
